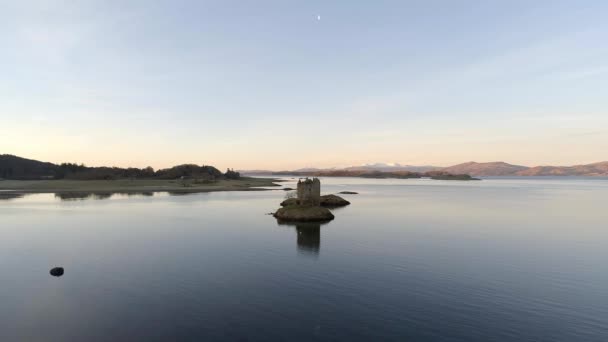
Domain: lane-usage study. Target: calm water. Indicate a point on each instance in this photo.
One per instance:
(409, 260)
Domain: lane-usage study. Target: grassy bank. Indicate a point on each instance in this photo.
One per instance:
(135, 185)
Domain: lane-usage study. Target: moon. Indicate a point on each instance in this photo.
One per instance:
(318, 17)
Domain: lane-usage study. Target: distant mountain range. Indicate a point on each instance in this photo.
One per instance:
(385, 167)
(470, 168)
(504, 169)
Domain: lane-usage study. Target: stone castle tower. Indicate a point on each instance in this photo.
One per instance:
(309, 191)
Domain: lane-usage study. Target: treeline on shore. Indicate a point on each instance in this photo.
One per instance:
(17, 168)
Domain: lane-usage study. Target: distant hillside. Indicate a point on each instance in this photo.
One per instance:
(470, 168)
(255, 172)
(310, 169)
(439, 175)
(350, 173)
(505, 169)
(595, 169)
(13, 167)
(486, 169)
(392, 167)
(367, 168)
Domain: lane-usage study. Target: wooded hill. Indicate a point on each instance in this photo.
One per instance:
(13, 167)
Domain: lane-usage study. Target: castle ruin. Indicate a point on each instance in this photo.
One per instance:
(309, 191)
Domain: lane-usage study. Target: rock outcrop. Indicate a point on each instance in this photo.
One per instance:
(289, 201)
(333, 201)
(328, 201)
(298, 213)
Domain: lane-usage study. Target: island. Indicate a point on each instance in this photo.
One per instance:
(309, 205)
(327, 201)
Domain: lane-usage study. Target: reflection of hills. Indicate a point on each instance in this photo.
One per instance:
(9, 196)
(181, 193)
(77, 196)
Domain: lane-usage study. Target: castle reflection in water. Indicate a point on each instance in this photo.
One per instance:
(308, 236)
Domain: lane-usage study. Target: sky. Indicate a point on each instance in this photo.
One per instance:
(290, 84)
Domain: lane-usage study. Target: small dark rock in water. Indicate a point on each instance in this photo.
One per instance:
(288, 189)
(333, 201)
(348, 192)
(56, 272)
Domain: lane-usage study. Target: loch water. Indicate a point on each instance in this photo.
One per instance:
(521, 259)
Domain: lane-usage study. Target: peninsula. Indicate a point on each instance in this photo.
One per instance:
(31, 176)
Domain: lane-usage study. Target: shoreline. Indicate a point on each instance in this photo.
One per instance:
(134, 186)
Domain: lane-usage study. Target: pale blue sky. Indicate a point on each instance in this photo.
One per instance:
(265, 84)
